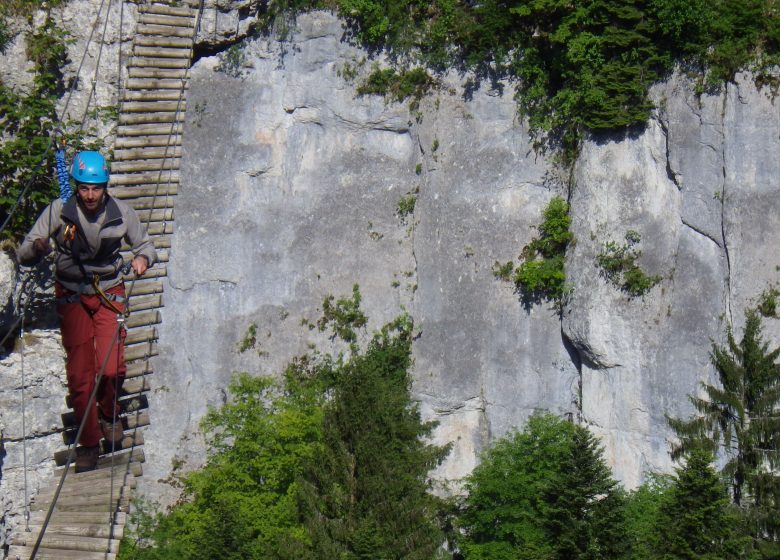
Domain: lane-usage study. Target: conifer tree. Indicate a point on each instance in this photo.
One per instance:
(367, 494)
(543, 494)
(740, 419)
(697, 522)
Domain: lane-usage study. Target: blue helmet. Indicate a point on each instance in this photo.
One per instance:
(89, 167)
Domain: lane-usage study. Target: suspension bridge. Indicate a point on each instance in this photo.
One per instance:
(83, 515)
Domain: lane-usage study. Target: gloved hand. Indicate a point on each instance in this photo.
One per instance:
(42, 247)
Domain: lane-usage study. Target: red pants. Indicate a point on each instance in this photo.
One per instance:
(91, 338)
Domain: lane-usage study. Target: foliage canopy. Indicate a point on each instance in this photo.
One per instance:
(543, 493)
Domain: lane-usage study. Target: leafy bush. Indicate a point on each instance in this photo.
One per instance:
(541, 275)
(618, 265)
(344, 316)
(397, 86)
(29, 120)
(406, 205)
(767, 302)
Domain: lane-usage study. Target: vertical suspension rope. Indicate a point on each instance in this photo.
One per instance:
(97, 63)
(24, 424)
(120, 318)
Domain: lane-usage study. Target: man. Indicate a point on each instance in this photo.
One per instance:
(87, 231)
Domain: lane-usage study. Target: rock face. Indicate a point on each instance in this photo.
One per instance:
(291, 192)
(37, 365)
(291, 185)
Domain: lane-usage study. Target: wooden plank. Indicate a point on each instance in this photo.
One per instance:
(156, 83)
(160, 242)
(154, 95)
(87, 487)
(157, 73)
(136, 385)
(160, 62)
(145, 318)
(164, 30)
(169, 10)
(160, 228)
(151, 177)
(136, 191)
(144, 286)
(88, 503)
(141, 141)
(146, 334)
(140, 351)
(149, 216)
(138, 370)
(138, 420)
(135, 455)
(162, 256)
(153, 106)
(148, 118)
(82, 529)
(92, 496)
(162, 52)
(140, 165)
(67, 542)
(158, 41)
(167, 19)
(24, 552)
(167, 130)
(147, 153)
(120, 518)
(157, 271)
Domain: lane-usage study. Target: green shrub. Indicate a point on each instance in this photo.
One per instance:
(344, 316)
(767, 302)
(541, 275)
(29, 120)
(396, 86)
(618, 265)
(406, 205)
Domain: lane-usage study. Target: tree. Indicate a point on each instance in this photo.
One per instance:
(242, 504)
(740, 420)
(543, 493)
(697, 522)
(367, 493)
(642, 511)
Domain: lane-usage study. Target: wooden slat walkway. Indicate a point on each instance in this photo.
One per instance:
(87, 523)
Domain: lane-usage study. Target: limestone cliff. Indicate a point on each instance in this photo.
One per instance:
(290, 192)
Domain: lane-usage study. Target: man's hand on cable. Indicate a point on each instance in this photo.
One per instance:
(140, 264)
(42, 247)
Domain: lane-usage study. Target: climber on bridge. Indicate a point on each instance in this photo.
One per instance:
(87, 231)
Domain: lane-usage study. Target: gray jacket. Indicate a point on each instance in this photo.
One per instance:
(79, 259)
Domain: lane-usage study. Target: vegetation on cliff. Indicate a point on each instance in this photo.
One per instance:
(330, 463)
(28, 119)
(579, 66)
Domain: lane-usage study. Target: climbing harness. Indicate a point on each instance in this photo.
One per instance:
(110, 299)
